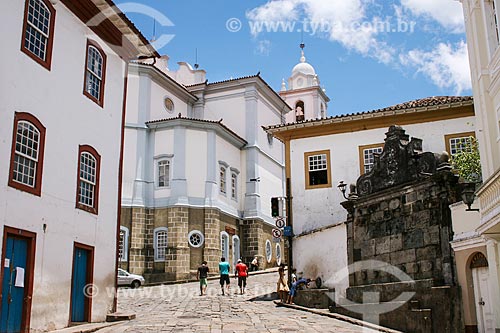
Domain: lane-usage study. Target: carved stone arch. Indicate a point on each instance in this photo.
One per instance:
(478, 260)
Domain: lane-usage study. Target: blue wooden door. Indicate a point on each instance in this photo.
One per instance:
(16, 252)
(78, 299)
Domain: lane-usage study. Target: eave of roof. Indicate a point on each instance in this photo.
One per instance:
(180, 88)
(434, 107)
(241, 142)
(242, 79)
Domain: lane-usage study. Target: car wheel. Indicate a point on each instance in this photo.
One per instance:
(135, 284)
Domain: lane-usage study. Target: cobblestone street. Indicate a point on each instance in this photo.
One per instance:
(179, 308)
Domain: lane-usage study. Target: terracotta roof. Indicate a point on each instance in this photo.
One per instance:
(218, 122)
(435, 101)
(225, 81)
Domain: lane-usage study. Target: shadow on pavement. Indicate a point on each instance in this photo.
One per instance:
(265, 298)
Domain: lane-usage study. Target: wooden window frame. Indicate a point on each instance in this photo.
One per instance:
(47, 63)
(95, 208)
(447, 138)
(328, 169)
(362, 155)
(99, 101)
(37, 189)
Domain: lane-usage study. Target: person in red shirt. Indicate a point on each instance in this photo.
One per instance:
(241, 272)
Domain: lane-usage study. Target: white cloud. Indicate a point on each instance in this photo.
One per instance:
(448, 13)
(263, 47)
(447, 65)
(345, 20)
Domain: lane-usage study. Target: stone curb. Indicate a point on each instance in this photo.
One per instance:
(86, 328)
(339, 317)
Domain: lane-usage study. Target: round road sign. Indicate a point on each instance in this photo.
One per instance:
(280, 223)
(276, 233)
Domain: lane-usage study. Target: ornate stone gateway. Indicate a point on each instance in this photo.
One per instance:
(398, 233)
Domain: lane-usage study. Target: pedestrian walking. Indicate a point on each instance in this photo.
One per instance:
(295, 286)
(224, 268)
(282, 287)
(254, 265)
(241, 272)
(202, 275)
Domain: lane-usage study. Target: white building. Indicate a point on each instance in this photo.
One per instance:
(61, 104)
(478, 246)
(199, 171)
(321, 153)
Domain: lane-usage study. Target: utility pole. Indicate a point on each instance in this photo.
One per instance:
(289, 223)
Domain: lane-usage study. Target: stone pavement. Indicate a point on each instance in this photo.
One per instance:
(179, 308)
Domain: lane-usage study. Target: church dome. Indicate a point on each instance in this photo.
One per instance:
(303, 67)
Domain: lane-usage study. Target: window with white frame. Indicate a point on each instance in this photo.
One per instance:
(196, 238)
(160, 243)
(234, 185)
(39, 19)
(367, 156)
(459, 142)
(269, 251)
(95, 69)
(164, 173)
(88, 179)
(224, 245)
(123, 244)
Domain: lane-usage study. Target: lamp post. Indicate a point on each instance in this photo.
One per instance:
(342, 187)
(468, 195)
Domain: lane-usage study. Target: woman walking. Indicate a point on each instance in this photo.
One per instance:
(282, 284)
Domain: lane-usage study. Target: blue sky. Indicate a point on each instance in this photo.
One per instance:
(368, 54)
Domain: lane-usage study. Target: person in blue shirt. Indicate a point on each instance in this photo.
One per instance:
(224, 268)
(295, 286)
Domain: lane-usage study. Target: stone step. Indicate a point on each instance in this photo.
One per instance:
(119, 316)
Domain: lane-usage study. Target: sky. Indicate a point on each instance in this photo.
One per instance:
(368, 54)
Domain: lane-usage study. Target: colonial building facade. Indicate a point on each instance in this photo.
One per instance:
(321, 153)
(199, 171)
(62, 88)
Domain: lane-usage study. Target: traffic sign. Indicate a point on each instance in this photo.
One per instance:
(276, 233)
(276, 240)
(288, 231)
(280, 222)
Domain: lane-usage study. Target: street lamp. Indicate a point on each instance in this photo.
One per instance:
(468, 194)
(342, 186)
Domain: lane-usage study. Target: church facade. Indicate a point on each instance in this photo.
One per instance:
(199, 172)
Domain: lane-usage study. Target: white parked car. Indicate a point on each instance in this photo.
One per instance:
(128, 279)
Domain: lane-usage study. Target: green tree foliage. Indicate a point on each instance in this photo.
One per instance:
(466, 162)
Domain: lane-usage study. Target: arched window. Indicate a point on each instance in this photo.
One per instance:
(236, 250)
(26, 164)
(222, 177)
(224, 245)
(89, 165)
(160, 243)
(38, 31)
(299, 111)
(95, 72)
(269, 251)
(123, 244)
(323, 113)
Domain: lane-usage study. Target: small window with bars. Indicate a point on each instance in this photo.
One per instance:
(234, 185)
(222, 176)
(160, 244)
